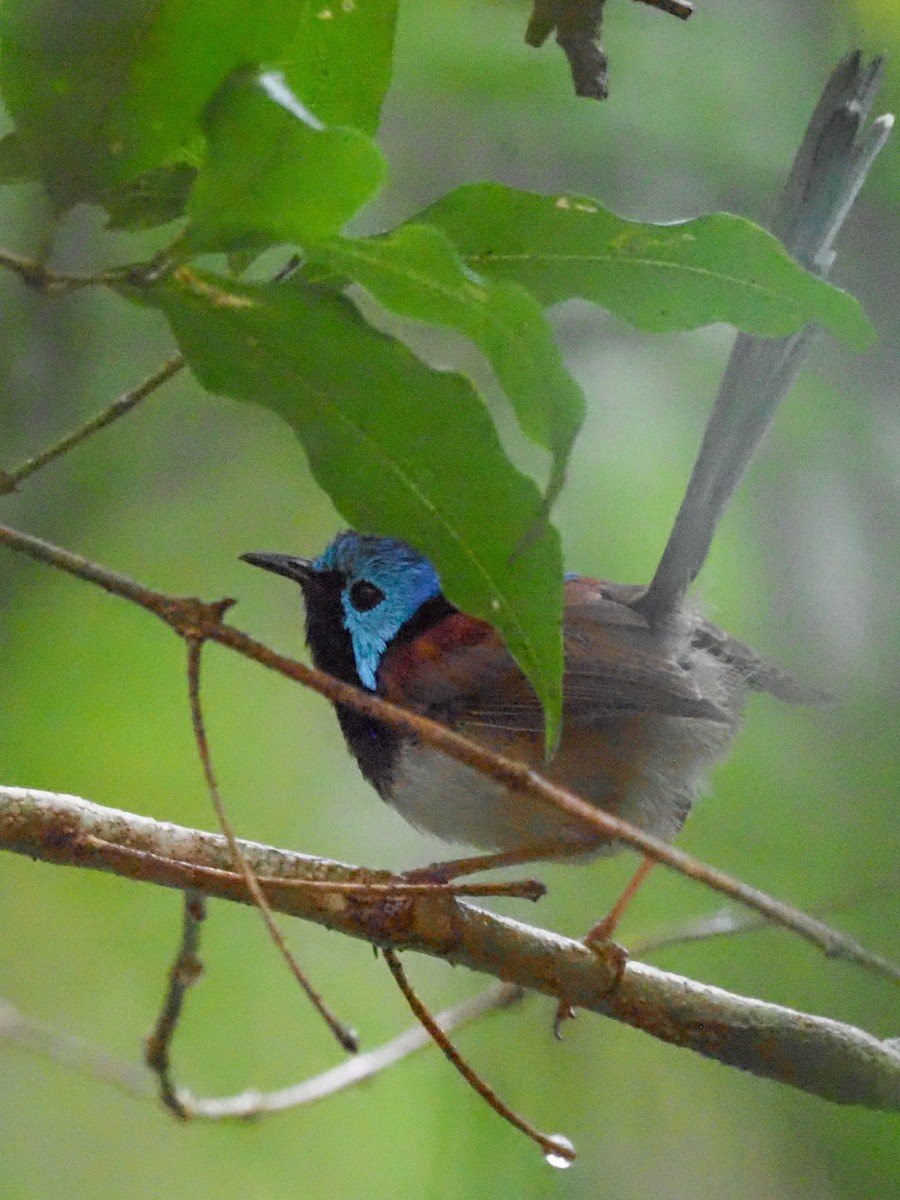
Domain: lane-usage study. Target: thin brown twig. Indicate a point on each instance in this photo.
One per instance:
(726, 922)
(191, 617)
(553, 1146)
(185, 971)
(517, 889)
(9, 480)
(501, 996)
(37, 275)
(386, 886)
(345, 1036)
(93, 1061)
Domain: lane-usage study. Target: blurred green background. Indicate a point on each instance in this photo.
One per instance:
(702, 116)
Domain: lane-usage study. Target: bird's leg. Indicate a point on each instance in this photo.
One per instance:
(599, 936)
(444, 872)
(603, 930)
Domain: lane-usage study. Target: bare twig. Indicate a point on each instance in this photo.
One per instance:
(345, 1036)
(518, 889)
(366, 884)
(95, 1063)
(729, 921)
(185, 972)
(92, 1061)
(552, 1146)
(86, 1059)
(821, 1056)
(190, 617)
(358, 1069)
(9, 480)
(37, 275)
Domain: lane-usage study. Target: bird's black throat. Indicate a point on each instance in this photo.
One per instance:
(375, 746)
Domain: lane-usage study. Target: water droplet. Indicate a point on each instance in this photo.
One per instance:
(565, 1158)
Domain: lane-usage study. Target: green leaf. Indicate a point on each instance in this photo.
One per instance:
(658, 277)
(399, 448)
(342, 58)
(154, 198)
(417, 272)
(13, 162)
(273, 173)
(105, 91)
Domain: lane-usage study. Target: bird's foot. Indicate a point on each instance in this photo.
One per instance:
(615, 958)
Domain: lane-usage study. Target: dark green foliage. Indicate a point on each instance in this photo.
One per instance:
(255, 123)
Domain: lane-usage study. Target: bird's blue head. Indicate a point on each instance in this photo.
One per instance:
(359, 594)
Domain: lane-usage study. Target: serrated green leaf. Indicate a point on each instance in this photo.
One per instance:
(273, 173)
(657, 277)
(399, 448)
(154, 198)
(417, 273)
(103, 92)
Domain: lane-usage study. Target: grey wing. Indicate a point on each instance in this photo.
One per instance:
(615, 667)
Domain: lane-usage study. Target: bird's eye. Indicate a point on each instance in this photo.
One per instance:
(365, 595)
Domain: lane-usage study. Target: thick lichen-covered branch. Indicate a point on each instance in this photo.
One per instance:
(827, 1058)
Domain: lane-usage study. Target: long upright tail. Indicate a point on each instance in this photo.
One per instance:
(828, 172)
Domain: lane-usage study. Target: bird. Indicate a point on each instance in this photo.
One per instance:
(653, 691)
(646, 709)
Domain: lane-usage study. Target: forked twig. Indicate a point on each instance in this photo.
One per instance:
(554, 1146)
(345, 1036)
(128, 1078)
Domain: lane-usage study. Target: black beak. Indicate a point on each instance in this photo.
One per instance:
(298, 569)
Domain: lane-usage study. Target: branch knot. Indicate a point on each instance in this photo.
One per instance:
(193, 619)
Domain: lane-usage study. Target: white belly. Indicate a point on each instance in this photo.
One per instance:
(459, 804)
